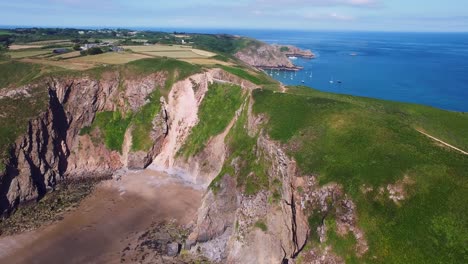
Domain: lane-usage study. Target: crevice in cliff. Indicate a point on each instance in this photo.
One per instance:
(165, 116)
(285, 259)
(6, 180)
(297, 248)
(60, 127)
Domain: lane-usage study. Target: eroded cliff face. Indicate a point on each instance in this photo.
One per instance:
(182, 109)
(53, 148)
(227, 230)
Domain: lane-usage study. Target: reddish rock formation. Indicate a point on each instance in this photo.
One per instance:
(262, 55)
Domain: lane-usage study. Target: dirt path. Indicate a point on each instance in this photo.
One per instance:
(442, 142)
(113, 216)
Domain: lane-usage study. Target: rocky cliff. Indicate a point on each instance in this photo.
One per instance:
(271, 226)
(293, 51)
(262, 55)
(54, 146)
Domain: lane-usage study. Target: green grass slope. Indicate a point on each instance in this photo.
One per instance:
(243, 163)
(112, 125)
(365, 142)
(216, 111)
(14, 73)
(143, 123)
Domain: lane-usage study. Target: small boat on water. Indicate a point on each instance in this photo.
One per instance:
(353, 54)
(293, 58)
(331, 80)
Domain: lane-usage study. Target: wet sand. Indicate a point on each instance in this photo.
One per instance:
(113, 216)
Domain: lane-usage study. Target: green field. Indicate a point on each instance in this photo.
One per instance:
(365, 142)
(184, 54)
(108, 58)
(171, 51)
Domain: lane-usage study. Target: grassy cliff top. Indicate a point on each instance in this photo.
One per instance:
(367, 144)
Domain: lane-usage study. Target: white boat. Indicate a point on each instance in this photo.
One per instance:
(331, 81)
(292, 58)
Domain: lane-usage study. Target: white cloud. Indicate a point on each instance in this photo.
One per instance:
(328, 16)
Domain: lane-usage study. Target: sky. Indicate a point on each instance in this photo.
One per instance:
(343, 15)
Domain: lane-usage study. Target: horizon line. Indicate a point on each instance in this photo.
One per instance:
(162, 28)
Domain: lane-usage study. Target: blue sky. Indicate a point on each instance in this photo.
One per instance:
(373, 15)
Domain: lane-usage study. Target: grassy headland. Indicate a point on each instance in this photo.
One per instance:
(365, 142)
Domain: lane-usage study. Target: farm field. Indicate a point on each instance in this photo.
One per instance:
(206, 61)
(28, 53)
(174, 51)
(174, 54)
(67, 55)
(66, 64)
(109, 58)
(138, 48)
(51, 42)
(32, 53)
(21, 46)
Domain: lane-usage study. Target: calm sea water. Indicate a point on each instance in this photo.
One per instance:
(423, 68)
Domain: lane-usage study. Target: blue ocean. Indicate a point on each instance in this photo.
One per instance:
(422, 68)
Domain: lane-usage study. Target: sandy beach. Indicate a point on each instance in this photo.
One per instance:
(113, 216)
